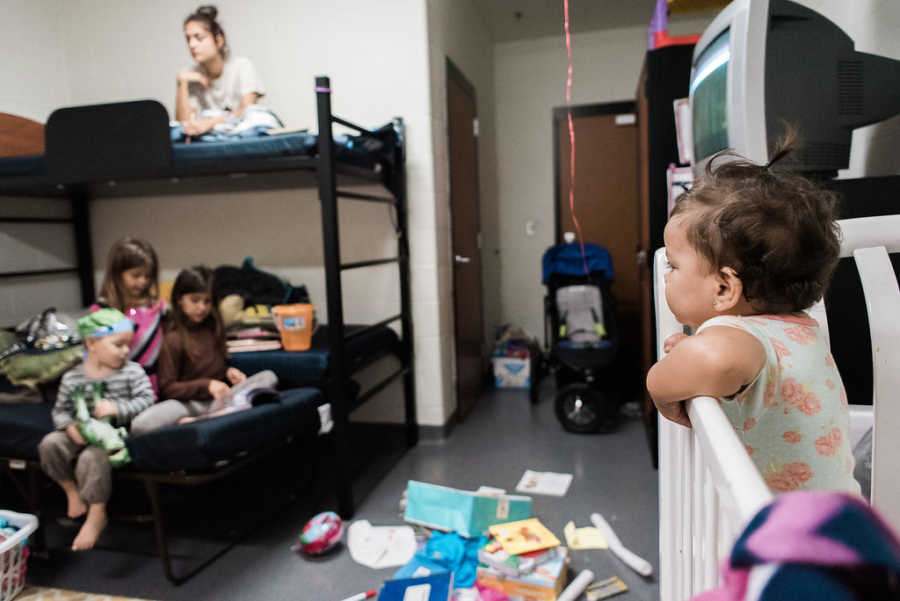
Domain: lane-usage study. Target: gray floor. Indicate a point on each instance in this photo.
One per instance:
(503, 437)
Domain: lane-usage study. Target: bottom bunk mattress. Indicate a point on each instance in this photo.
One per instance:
(193, 447)
(311, 367)
(205, 444)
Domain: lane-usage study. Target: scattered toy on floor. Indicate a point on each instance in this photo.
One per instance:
(544, 483)
(361, 596)
(436, 587)
(320, 534)
(584, 538)
(446, 552)
(605, 588)
(523, 536)
(577, 586)
(381, 546)
(468, 513)
(633, 561)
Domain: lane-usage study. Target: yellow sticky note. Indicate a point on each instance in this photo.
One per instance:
(523, 536)
(584, 538)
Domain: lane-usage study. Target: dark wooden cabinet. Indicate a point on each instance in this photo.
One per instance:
(664, 78)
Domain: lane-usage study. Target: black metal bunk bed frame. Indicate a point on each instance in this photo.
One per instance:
(328, 194)
(339, 394)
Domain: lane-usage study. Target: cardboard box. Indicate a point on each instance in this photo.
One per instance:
(510, 372)
(545, 583)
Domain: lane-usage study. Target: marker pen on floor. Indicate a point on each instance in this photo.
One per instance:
(362, 596)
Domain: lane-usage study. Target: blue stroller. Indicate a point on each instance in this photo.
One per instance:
(580, 335)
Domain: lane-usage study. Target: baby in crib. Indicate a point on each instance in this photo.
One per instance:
(749, 249)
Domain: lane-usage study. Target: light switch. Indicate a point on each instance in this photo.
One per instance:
(529, 227)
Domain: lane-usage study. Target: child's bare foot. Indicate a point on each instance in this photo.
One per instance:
(93, 526)
(187, 420)
(75, 505)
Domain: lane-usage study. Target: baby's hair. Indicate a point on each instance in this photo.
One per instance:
(776, 229)
(127, 253)
(191, 280)
(207, 14)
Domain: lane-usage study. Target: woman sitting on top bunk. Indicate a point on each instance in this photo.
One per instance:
(218, 87)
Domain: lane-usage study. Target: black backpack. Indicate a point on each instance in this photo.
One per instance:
(255, 286)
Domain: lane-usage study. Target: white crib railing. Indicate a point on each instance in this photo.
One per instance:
(708, 486)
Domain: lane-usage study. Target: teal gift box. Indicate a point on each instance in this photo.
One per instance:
(469, 513)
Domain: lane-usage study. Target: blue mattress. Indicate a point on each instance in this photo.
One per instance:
(310, 368)
(200, 445)
(368, 152)
(293, 144)
(22, 426)
(196, 446)
(22, 166)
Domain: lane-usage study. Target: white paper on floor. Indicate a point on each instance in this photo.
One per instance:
(380, 546)
(544, 483)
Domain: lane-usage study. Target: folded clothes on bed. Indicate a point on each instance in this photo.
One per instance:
(254, 122)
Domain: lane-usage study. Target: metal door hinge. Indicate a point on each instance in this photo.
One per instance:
(475, 127)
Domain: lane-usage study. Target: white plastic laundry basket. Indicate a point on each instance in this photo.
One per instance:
(13, 554)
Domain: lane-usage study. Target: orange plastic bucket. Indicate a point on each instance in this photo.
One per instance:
(296, 324)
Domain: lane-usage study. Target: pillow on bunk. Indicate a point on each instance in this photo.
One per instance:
(7, 340)
(256, 287)
(165, 290)
(31, 369)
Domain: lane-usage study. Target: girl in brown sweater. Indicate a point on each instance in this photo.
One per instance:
(192, 369)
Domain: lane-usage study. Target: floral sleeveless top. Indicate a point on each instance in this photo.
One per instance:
(793, 417)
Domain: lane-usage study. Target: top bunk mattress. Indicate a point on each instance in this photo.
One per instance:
(367, 152)
(82, 147)
(359, 151)
(22, 166)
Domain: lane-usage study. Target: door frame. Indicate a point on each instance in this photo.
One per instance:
(455, 74)
(560, 115)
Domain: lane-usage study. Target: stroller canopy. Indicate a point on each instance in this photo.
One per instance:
(565, 259)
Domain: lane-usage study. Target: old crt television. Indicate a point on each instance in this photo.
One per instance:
(763, 63)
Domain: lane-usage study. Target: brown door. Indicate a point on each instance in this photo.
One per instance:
(606, 205)
(464, 211)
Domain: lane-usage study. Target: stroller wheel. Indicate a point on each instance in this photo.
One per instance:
(583, 409)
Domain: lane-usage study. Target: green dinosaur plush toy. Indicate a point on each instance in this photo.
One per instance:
(99, 432)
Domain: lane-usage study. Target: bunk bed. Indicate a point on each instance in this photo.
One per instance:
(124, 149)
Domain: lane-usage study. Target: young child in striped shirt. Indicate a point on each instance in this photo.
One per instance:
(80, 467)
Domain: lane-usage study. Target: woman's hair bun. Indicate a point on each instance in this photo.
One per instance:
(209, 10)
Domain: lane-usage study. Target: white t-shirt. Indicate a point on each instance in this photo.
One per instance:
(238, 79)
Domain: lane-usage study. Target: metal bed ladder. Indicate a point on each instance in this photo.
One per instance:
(337, 388)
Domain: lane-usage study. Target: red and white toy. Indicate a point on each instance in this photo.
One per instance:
(321, 533)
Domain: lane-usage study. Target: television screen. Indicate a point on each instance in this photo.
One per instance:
(709, 106)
